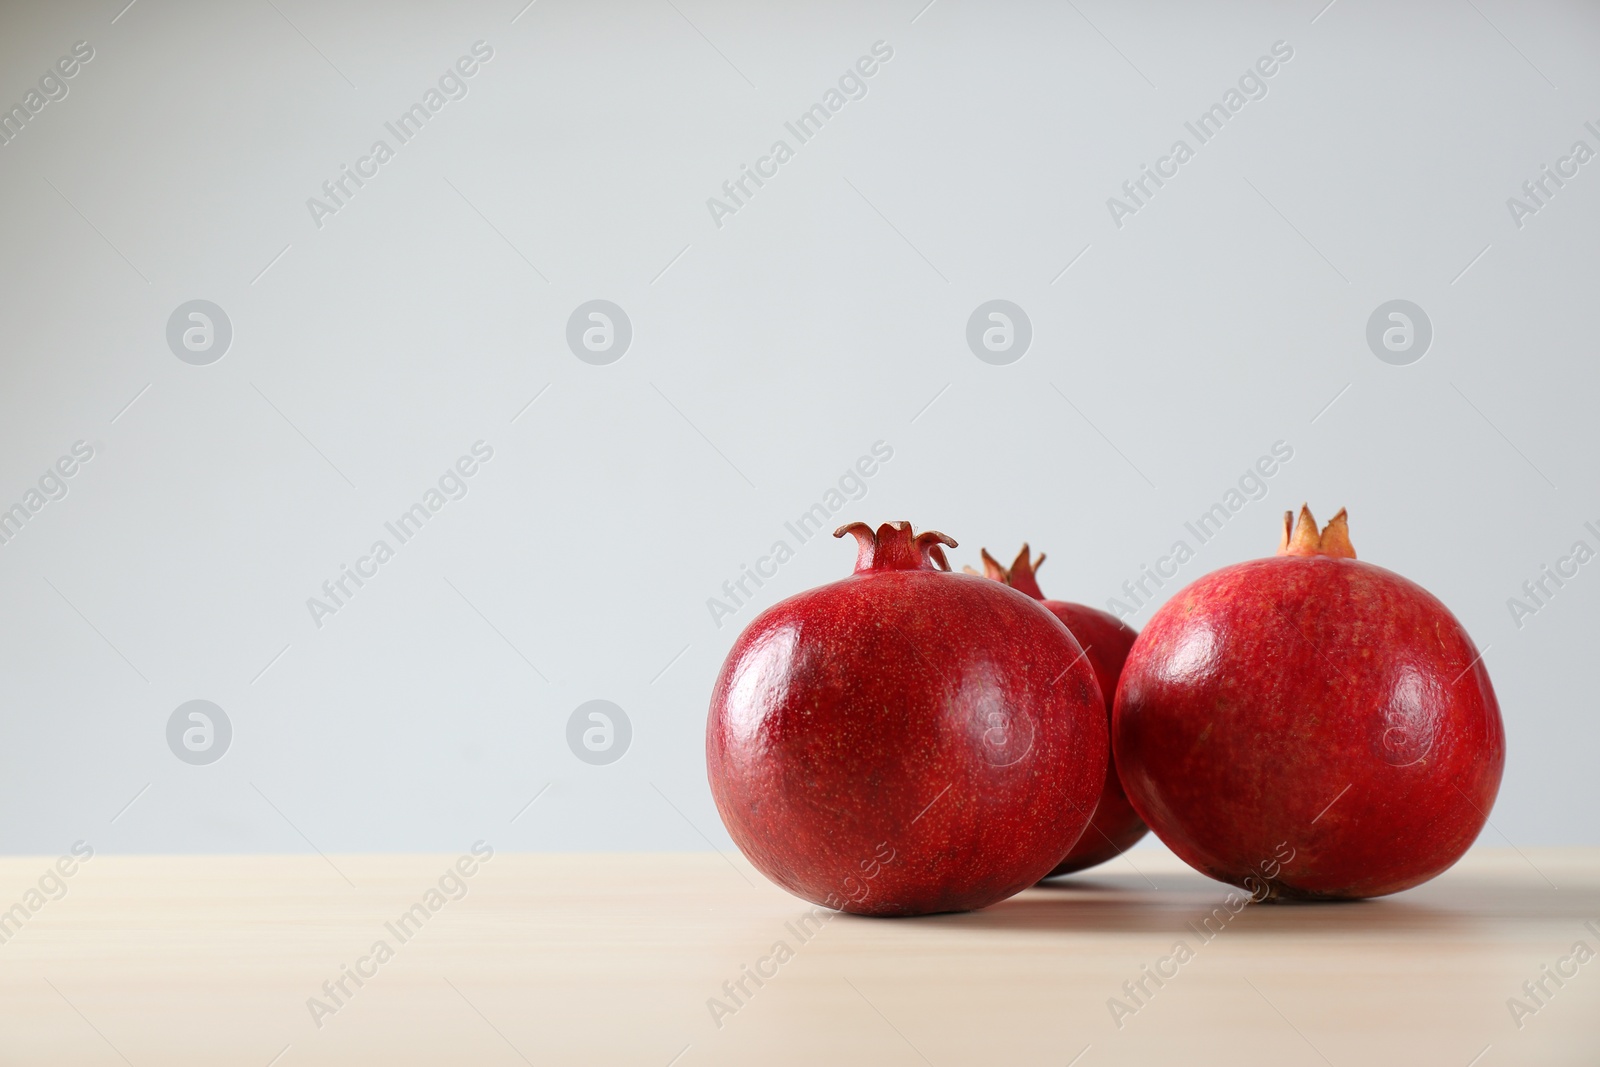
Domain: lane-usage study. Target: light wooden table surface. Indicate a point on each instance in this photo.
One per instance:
(613, 959)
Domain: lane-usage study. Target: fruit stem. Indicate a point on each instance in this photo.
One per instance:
(1302, 538)
(893, 548)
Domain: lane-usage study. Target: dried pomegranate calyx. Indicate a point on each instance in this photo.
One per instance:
(1019, 576)
(1303, 539)
(892, 547)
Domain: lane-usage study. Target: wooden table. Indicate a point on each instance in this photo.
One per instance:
(623, 959)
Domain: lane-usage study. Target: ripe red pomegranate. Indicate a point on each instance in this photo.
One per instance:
(906, 740)
(1309, 726)
(1106, 641)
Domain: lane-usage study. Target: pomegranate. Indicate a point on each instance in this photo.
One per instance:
(1106, 640)
(1309, 725)
(906, 740)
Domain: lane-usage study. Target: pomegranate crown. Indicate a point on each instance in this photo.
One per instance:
(892, 547)
(1019, 576)
(1303, 539)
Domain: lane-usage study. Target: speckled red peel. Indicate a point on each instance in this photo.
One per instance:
(1309, 725)
(1106, 641)
(906, 740)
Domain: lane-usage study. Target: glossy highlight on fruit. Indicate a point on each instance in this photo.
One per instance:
(1106, 640)
(1309, 725)
(906, 740)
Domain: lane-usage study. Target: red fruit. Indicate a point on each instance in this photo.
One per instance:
(1309, 725)
(906, 740)
(1106, 641)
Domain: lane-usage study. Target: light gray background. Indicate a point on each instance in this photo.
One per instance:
(767, 355)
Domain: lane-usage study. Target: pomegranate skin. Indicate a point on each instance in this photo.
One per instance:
(904, 741)
(1116, 826)
(1309, 726)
